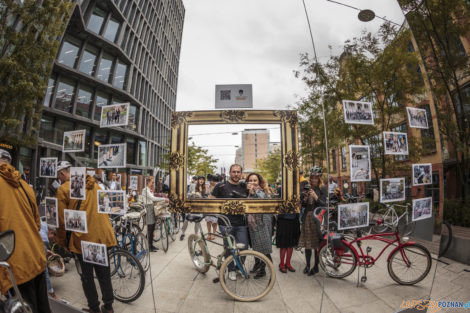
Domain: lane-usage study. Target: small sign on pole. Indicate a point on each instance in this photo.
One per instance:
(233, 96)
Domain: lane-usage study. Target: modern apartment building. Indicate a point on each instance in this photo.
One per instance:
(255, 146)
(113, 52)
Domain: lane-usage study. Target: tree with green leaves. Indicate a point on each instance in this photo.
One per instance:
(30, 33)
(438, 27)
(376, 68)
(270, 166)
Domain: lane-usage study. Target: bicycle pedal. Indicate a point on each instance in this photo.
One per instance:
(363, 279)
(216, 280)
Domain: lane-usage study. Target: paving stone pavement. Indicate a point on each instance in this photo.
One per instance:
(178, 287)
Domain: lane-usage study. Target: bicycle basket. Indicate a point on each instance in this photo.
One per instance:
(56, 265)
(337, 244)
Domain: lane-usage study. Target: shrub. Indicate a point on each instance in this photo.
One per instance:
(457, 212)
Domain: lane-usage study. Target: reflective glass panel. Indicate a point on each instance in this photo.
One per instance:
(96, 20)
(68, 54)
(84, 99)
(111, 30)
(143, 153)
(101, 100)
(64, 95)
(47, 129)
(87, 63)
(49, 92)
(105, 67)
(120, 75)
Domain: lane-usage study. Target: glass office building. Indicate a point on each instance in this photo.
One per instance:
(114, 52)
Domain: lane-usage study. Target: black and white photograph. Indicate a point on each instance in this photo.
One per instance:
(47, 167)
(417, 118)
(392, 189)
(112, 202)
(75, 221)
(112, 156)
(396, 143)
(52, 212)
(359, 160)
(74, 141)
(422, 209)
(358, 112)
(114, 115)
(133, 182)
(422, 174)
(95, 253)
(78, 183)
(353, 215)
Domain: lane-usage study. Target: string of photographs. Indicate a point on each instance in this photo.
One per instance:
(356, 215)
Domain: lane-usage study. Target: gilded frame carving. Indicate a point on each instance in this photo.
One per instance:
(287, 119)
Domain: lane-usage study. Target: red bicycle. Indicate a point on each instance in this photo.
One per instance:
(408, 262)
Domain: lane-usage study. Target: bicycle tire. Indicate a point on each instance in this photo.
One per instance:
(405, 226)
(245, 255)
(446, 238)
(335, 262)
(141, 250)
(202, 266)
(387, 219)
(424, 253)
(157, 232)
(164, 236)
(117, 257)
(171, 228)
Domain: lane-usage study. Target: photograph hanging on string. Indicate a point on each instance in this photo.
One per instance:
(114, 115)
(133, 182)
(417, 118)
(112, 202)
(75, 221)
(52, 212)
(392, 189)
(74, 141)
(353, 215)
(359, 160)
(422, 174)
(358, 112)
(396, 143)
(78, 183)
(112, 156)
(95, 253)
(48, 167)
(422, 209)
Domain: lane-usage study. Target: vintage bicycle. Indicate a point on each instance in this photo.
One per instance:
(246, 287)
(408, 263)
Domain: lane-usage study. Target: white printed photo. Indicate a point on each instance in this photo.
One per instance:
(95, 253)
(359, 160)
(353, 215)
(74, 141)
(392, 190)
(358, 112)
(396, 143)
(78, 183)
(417, 118)
(422, 209)
(112, 202)
(75, 221)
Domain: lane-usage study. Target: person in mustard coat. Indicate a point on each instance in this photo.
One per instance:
(99, 231)
(19, 212)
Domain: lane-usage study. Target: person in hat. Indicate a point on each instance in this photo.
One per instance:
(19, 212)
(310, 231)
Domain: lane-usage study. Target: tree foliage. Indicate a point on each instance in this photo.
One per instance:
(30, 31)
(199, 161)
(270, 166)
(377, 68)
(438, 27)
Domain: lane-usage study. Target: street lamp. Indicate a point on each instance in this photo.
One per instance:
(365, 15)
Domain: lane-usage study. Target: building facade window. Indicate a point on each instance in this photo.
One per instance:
(61, 126)
(84, 99)
(64, 95)
(131, 151)
(104, 68)
(49, 92)
(88, 61)
(47, 128)
(101, 100)
(427, 135)
(96, 20)
(120, 75)
(111, 30)
(142, 153)
(68, 53)
(101, 138)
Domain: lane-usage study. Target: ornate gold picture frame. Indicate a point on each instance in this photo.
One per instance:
(287, 119)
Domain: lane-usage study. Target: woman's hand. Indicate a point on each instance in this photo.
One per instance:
(250, 188)
(312, 194)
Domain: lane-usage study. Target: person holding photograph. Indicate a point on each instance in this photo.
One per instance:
(149, 200)
(19, 212)
(99, 231)
(259, 225)
(310, 231)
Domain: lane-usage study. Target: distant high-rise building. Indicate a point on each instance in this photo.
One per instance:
(255, 146)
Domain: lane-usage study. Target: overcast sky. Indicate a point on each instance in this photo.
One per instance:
(259, 42)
